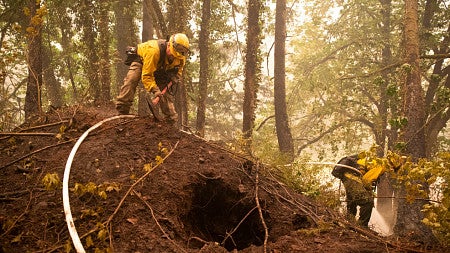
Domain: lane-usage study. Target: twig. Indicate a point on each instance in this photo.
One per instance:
(266, 230)
(237, 226)
(21, 192)
(20, 216)
(208, 178)
(137, 182)
(198, 239)
(37, 127)
(28, 134)
(42, 126)
(34, 152)
(111, 246)
(264, 121)
(156, 220)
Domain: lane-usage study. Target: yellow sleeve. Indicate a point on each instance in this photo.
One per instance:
(150, 58)
(373, 174)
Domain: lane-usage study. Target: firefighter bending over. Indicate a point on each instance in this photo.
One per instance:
(358, 184)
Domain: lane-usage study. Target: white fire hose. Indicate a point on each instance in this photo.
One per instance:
(70, 224)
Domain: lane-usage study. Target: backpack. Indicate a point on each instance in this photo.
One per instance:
(132, 55)
(339, 171)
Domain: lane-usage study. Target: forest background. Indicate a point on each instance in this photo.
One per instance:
(294, 83)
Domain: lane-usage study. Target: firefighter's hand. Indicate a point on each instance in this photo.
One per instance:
(156, 92)
(175, 79)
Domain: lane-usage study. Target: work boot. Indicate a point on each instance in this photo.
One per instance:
(123, 110)
(170, 122)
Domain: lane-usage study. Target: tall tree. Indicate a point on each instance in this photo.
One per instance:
(435, 38)
(88, 22)
(34, 13)
(126, 34)
(285, 142)
(252, 70)
(178, 13)
(204, 67)
(52, 84)
(104, 55)
(158, 18)
(409, 215)
(413, 107)
(65, 25)
(147, 34)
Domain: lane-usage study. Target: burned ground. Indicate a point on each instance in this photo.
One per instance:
(137, 185)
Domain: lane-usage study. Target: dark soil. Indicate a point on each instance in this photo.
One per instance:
(201, 198)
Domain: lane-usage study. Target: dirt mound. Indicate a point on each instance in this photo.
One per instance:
(142, 186)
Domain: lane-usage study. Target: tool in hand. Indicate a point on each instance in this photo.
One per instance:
(156, 99)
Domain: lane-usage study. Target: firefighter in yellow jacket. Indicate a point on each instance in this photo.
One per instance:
(358, 182)
(156, 63)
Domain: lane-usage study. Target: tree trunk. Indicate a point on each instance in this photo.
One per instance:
(125, 33)
(104, 63)
(67, 47)
(409, 215)
(51, 83)
(34, 40)
(204, 69)
(252, 71)
(285, 142)
(147, 34)
(437, 105)
(180, 16)
(158, 18)
(91, 51)
(384, 203)
(412, 93)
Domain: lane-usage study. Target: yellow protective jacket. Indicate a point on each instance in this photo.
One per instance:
(370, 172)
(373, 174)
(150, 53)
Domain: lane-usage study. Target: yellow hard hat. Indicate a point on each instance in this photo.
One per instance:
(179, 45)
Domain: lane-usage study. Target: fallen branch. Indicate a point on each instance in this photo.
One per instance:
(198, 239)
(20, 216)
(266, 230)
(156, 220)
(137, 182)
(28, 134)
(34, 152)
(40, 126)
(237, 226)
(15, 193)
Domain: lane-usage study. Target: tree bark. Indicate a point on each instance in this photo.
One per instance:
(104, 62)
(52, 84)
(34, 82)
(409, 215)
(252, 71)
(412, 92)
(179, 14)
(88, 23)
(285, 142)
(204, 69)
(125, 33)
(147, 34)
(438, 108)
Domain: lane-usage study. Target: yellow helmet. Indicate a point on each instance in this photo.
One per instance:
(179, 45)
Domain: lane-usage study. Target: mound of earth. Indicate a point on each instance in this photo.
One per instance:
(137, 185)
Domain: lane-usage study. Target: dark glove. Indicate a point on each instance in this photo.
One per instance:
(176, 79)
